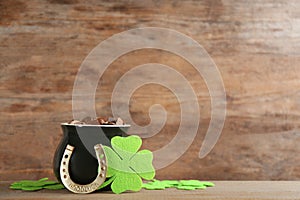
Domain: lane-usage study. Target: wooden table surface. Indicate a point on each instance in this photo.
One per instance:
(222, 190)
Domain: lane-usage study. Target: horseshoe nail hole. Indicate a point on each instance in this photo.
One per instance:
(102, 168)
(101, 156)
(66, 156)
(65, 176)
(64, 170)
(64, 163)
(101, 175)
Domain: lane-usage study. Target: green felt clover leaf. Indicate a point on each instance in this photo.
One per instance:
(28, 185)
(126, 165)
(155, 185)
(180, 185)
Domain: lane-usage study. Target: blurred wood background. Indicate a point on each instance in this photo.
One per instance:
(255, 44)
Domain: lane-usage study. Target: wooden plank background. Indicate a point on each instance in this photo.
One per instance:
(255, 44)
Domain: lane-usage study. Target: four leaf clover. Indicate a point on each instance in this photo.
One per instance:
(180, 185)
(43, 183)
(126, 165)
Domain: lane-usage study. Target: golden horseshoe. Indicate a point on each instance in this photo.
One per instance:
(78, 188)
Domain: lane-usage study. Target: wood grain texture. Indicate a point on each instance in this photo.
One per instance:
(255, 45)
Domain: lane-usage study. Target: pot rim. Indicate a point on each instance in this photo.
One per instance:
(93, 125)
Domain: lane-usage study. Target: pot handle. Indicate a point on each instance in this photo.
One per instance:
(78, 188)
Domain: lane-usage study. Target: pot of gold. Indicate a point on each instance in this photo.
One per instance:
(79, 161)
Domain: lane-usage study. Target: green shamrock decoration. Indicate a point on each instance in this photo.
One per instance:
(126, 165)
(180, 185)
(43, 183)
